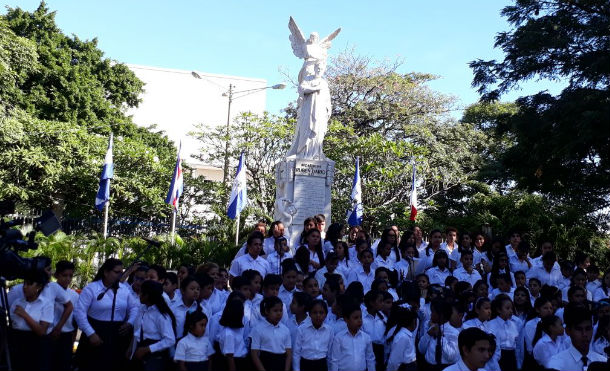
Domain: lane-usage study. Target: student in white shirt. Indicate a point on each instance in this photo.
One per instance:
(506, 328)
(280, 253)
(332, 262)
(193, 350)
(105, 333)
(171, 288)
(232, 334)
(276, 231)
(364, 272)
(155, 329)
(313, 340)
(464, 244)
(271, 346)
(251, 260)
(289, 280)
(503, 282)
(188, 302)
(547, 340)
(603, 291)
(31, 315)
(521, 261)
(313, 245)
(548, 273)
(579, 327)
(512, 247)
(427, 255)
(373, 323)
(342, 251)
(450, 243)
(475, 349)
(298, 317)
(439, 271)
(601, 340)
(384, 257)
(593, 281)
(64, 329)
(499, 266)
(439, 343)
(466, 272)
(352, 349)
(401, 340)
(543, 308)
(407, 266)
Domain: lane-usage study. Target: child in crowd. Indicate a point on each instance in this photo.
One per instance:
(439, 342)
(193, 350)
(506, 328)
(547, 340)
(232, 334)
(313, 340)
(299, 306)
(332, 263)
(311, 287)
(271, 346)
(466, 271)
(280, 253)
(401, 340)
(189, 288)
(171, 288)
(439, 271)
(363, 272)
(64, 329)
(352, 349)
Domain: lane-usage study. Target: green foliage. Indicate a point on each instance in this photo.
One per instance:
(60, 101)
(561, 144)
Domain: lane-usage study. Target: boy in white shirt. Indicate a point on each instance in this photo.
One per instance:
(475, 350)
(352, 348)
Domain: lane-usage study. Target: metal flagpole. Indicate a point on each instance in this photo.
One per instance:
(106, 219)
(237, 231)
(173, 230)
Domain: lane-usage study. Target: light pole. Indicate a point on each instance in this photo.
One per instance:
(231, 94)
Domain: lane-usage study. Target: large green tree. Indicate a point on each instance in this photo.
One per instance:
(59, 101)
(560, 144)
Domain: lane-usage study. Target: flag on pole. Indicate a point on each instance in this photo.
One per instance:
(239, 191)
(354, 215)
(177, 185)
(413, 197)
(103, 192)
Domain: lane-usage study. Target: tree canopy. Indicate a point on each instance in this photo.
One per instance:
(560, 145)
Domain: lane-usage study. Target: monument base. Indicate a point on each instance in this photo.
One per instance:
(302, 191)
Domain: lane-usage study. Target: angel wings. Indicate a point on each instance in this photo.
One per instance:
(313, 47)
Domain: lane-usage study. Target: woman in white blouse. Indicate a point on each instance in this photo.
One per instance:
(105, 313)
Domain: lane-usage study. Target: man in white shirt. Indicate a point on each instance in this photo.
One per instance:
(579, 327)
(475, 347)
(549, 273)
(252, 260)
(511, 248)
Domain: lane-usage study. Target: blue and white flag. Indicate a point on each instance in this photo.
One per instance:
(103, 192)
(177, 185)
(354, 215)
(239, 192)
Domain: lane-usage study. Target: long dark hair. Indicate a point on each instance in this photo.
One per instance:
(317, 248)
(401, 318)
(192, 318)
(404, 240)
(154, 291)
(428, 248)
(384, 239)
(544, 326)
(108, 265)
(233, 313)
(333, 234)
(495, 269)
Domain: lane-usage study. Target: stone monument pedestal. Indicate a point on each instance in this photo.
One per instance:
(303, 190)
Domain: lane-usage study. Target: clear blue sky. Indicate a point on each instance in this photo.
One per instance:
(250, 38)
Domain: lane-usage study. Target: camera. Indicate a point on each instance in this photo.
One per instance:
(12, 241)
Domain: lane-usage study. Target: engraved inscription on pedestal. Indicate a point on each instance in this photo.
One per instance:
(309, 189)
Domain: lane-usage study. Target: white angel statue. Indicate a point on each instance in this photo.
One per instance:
(314, 106)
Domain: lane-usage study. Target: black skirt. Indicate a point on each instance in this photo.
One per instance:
(196, 366)
(27, 351)
(110, 355)
(379, 353)
(156, 361)
(314, 364)
(273, 361)
(62, 352)
(408, 366)
(508, 360)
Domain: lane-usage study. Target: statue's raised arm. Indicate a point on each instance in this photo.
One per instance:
(314, 105)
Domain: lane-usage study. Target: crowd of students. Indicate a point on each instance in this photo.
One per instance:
(333, 302)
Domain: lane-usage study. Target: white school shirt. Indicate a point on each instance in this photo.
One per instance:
(245, 262)
(463, 275)
(456, 255)
(492, 364)
(322, 279)
(339, 325)
(425, 262)
(506, 332)
(193, 349)
(460, 366)
(152, 325)
(388, 262)
(545, 349)
(404, 267)
(52, 291)
(311, 343)
(215, 303)
(529, 331)
(600, 294)
(402, 349)
(475, 322)
(438, 276)
(358, 274)
(563, 283)
(269, 245)
(571, 359)
(373, 325)
(593, 285)
(293, 326)
(510, 251)
(517, 265)
(126, 306)
(40, 309)
(59, 311)
(551, 278)
(285, 295)
(232, 341)
(599, 345)
(564, 294)
(448, 249)
(495, 292)
(449, 345)
(351, 352)
(275, 261)
(271, 338)
(180, 309)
